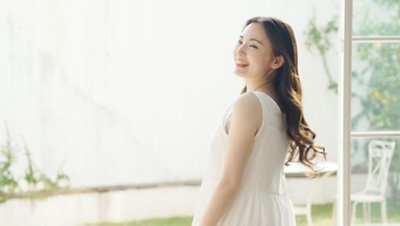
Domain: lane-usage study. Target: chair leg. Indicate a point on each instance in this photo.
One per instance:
(383, 211)
(369, 211)
(309, 216)
(353, 215)
(365, 212)
(334, 214)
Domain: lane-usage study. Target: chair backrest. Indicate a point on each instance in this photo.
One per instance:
(380, 155)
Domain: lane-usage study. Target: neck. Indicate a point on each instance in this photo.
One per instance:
(263, 86)
(259, 85)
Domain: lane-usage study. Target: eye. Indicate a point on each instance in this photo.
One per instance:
(240, 42)
(254, 46)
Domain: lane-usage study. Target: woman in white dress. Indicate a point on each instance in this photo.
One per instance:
(244, 182)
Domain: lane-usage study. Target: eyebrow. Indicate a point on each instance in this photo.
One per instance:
(252, 39)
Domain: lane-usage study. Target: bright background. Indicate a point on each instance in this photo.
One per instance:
(127, 92)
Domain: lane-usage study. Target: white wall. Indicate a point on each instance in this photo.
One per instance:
(121, 91)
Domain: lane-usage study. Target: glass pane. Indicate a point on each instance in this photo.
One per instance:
(376, 17)
(376, 87)
(371, 182)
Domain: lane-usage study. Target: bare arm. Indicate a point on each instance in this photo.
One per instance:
(246, 118)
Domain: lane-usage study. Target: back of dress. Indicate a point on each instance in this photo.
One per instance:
(262, 198)
(264, 169)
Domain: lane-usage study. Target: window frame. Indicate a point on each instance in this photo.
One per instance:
(343, 210)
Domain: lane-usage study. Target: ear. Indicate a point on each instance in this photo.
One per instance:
(278, 62)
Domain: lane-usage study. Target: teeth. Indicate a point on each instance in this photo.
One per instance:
(241, 63)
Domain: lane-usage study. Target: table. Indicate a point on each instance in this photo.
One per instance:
(297, 169)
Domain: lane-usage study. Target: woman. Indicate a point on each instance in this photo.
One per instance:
(244, 184)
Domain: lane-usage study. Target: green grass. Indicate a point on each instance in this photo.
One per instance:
(392, 212)
(172, 221)
(322, 216)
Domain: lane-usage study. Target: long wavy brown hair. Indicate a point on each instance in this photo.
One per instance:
(287, 85)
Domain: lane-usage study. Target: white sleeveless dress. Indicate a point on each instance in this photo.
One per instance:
(262, 199)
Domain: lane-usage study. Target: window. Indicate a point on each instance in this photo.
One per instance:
(370, 104)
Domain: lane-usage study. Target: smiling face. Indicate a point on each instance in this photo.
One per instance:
(253, 53)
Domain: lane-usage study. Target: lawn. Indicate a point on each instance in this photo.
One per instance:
(322, 216)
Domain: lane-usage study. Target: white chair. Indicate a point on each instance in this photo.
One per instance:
(379, 157)
(305, 210)
(315, 188)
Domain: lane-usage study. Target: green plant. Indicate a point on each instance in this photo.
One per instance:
(36, 182)
(319, 39)
(8, 182)
(34, 177)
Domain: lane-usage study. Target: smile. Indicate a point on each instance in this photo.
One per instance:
(241, 65)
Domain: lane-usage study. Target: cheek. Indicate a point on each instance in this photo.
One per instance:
(266, 61)
(259, 61)
(260, 65)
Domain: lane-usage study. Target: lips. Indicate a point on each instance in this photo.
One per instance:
(241, 63)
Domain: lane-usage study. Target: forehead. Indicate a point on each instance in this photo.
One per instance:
(255, 30)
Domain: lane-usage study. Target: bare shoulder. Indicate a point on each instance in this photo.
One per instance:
(246, 116)
(247, 100)
(248, 106)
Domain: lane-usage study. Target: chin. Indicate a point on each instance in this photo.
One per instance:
(240, 74)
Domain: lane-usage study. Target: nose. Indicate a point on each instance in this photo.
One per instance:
(241, 50)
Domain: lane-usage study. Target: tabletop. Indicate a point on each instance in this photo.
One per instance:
(297, 169)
